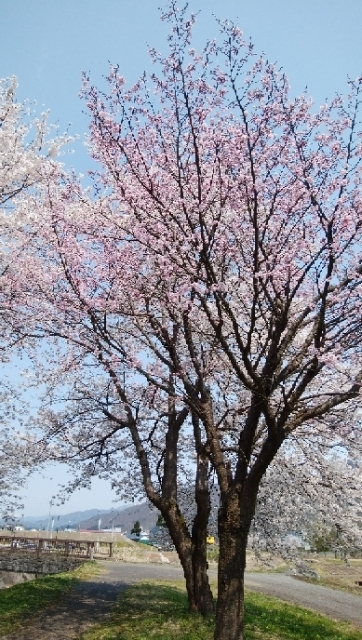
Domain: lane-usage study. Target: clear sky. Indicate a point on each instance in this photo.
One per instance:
(47, 43)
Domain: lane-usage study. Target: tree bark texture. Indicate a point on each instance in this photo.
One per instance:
(193, 557)
(234, 524)
(191, 548)
(230, 602)
(199, 535)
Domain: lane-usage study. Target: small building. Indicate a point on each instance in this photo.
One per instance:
(143, 536)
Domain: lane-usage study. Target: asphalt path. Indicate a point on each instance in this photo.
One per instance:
(93, 599)
(333, 603)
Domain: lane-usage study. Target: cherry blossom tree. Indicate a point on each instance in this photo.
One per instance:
(244, 209)
(15, 461)
(317, 480)
(140, 440)
(27, 159)
(25, 145)
(216, 274)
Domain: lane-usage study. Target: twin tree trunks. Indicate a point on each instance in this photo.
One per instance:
(233, 534)
(192, 550)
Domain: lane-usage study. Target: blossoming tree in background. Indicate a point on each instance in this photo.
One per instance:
(24, 144)
(27, 155)
(317, 482)
(214, 282)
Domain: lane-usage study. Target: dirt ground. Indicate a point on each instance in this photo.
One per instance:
(138, 553)
(337, 574)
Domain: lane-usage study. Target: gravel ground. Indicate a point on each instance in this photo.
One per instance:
(93, 599)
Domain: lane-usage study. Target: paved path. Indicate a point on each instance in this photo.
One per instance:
(90, 601)
(335, 604)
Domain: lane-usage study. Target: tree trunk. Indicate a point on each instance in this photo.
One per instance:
(193, 558)
(232, 558)
(198, 588)
(191, 549)
(194, 596)
(203, 592)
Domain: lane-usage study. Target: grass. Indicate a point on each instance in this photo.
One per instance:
(155, 611)
(272, 619)
(213, 554)
(158, 611)
(24, 600)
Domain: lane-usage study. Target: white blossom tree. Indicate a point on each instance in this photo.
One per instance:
(317, 480)
(25, 144)
(27, 160)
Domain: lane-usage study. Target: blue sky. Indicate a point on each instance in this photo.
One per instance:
(47, 43)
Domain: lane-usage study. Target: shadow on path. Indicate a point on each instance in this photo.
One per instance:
(88, 603)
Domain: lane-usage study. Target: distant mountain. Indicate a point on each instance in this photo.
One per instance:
(72, 519)
(123, 518)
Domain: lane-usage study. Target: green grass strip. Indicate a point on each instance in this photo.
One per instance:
(22, 601)
(154, 611)
(267, 617)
